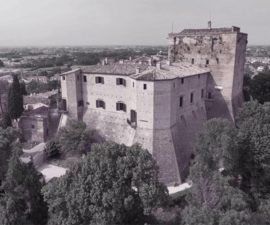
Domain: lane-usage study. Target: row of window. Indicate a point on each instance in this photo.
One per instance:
(191, 99)
(119, 81)
(120, 106)
(207, 62)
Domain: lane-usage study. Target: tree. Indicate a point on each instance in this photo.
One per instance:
(52, 149)
(2, 63)
(253, 145)
(3, 93)
(22, 203)
(212, 200)
(23, 88)
(15, 99)
(7, 141)
(260, 87)
(113, 184)
(76, 138)
(6, 121)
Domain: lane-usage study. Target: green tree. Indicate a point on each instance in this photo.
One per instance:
(23, 88)
(2, 63)
(76, 138)
(113, 184)
(52, 149)
(212, 200)
(22, 202)
(6, 121)
(7, 140)
(15, 99)
(3, 93)
(260, 87)
(253, 146)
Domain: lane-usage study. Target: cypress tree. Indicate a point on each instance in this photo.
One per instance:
(22, 202)
(15, 99)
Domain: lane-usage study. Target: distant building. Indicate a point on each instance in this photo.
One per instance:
(163, 107)
(34, 125)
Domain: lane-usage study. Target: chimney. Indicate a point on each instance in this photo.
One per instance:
(106, 61)
(121, 61)
(138, 70)
(158, 65)
(209, 25)
(103, 62)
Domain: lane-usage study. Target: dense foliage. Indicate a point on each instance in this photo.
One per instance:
(113, 184)
(75, 138)
(41, 87)
(15, 99)
(258, 88)
(22, 202)
(7, 141)
(1, 63)
(231, 171)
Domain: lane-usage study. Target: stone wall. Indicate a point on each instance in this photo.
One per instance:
(34, 129)
(224, 54)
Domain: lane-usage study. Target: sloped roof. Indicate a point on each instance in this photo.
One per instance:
(167, 72)
(114, 69)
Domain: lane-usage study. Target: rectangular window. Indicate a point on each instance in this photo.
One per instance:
(144, 86)
(209, 95)
(33, 126)
(63, 77)
(181, 101)
(202, 93)
(85, 78)
(99, 80)
(192, 61)
(191, 97)
(121, 106)
(80, 103)
(207, 61)
(182, 80)
(133, 116)
(100, 104)
(120, 81)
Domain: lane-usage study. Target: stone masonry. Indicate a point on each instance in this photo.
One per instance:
(163, 107)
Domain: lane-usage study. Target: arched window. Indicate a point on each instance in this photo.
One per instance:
(120, 106)
(100, 104)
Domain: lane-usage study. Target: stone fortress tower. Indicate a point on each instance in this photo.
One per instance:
(162, 106)
(222, 50)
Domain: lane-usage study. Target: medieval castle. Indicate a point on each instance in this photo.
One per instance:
(163, 106)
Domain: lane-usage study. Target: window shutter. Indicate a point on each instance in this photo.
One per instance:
(117, 106)
(124, 82)
(124, 108)
(102, 80)
(117, 81)
(97, 103)
(96, 78)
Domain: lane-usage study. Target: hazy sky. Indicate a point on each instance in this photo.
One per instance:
(124, 22)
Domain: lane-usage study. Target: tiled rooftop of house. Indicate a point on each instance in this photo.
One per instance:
(168, 72)
(206, 31)
(116, 69)
(150, 73)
